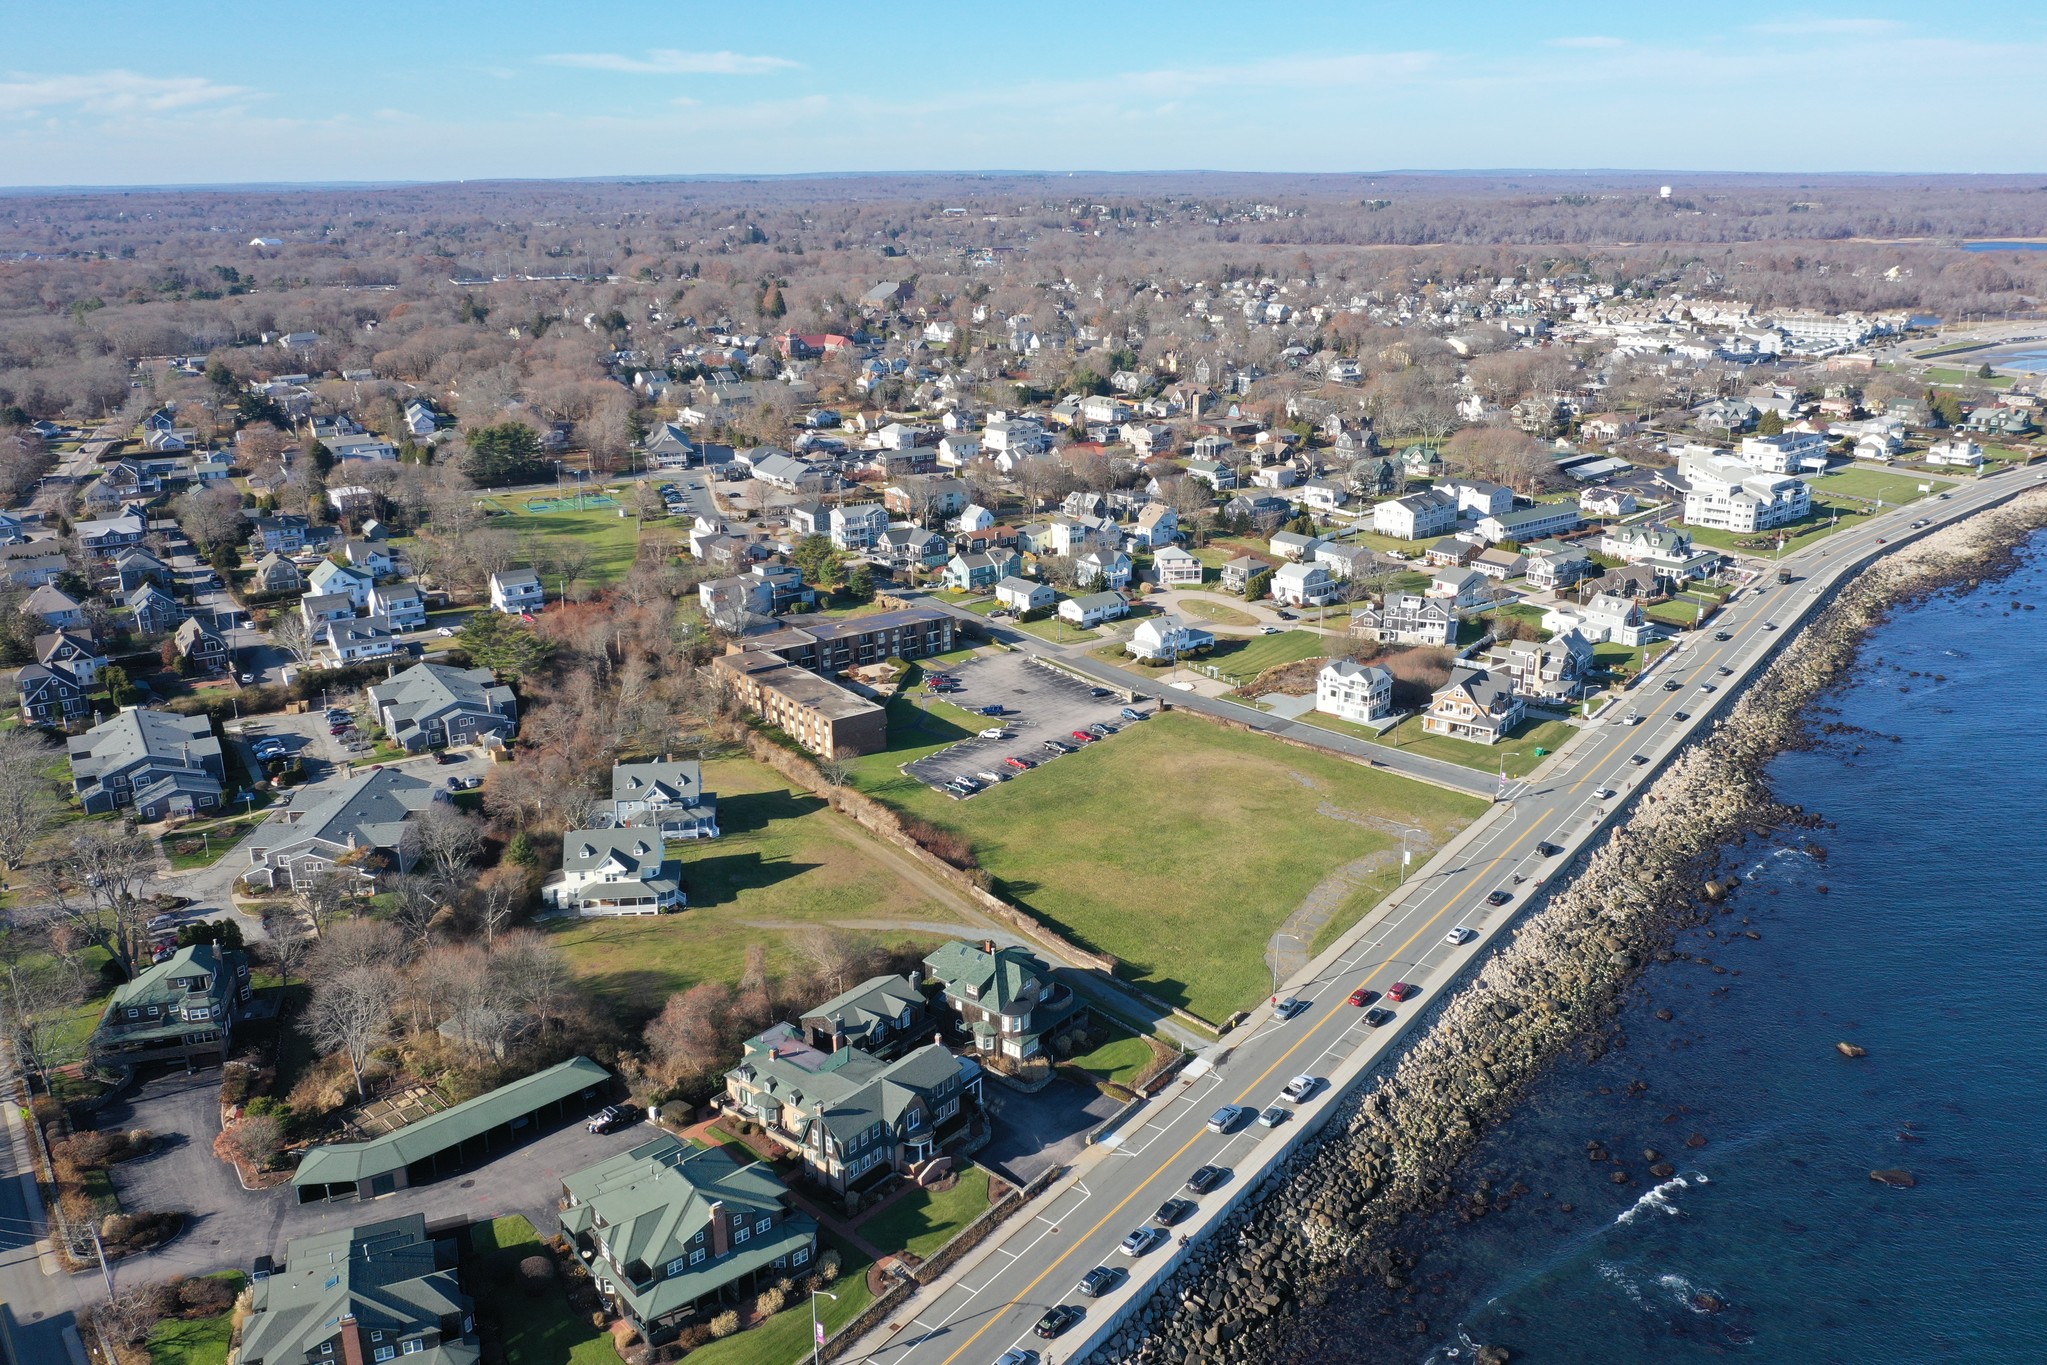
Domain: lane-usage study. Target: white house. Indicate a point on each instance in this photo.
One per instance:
(1608, 618)
(1157, 525)
(329, 579)
(1606, 502)
(976, 518)
(858, 526)
(1478, 497)
(1099, 569)
(1177, 568)
(1790, 452)
(1958, 451)
(1467, 590)
(1417, 516)
(1354, 692)
(1167, 637)
(1303, 585)
(1021, 594)
(517, 591)
(1092, 609)
(1727, 495)
(615, 872)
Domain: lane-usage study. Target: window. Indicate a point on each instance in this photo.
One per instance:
(696, 1256)
(763, 1225)
(413, 1348)
(740, 1233)
(376, 1336)
(134, 1013)
(386, 1352)
(799, 1256)
(675, 1267)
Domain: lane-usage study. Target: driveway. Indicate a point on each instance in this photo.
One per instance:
(228, 1226)
(1036, 1132)
(1039, 704)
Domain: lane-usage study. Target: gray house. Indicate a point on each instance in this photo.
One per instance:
(160, 763)
(430, 706)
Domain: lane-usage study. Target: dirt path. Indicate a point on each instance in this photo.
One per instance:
(1290, 947)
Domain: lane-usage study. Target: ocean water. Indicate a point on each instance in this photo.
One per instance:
(1919, 933)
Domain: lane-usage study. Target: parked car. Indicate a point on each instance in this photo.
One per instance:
(1363, 995)
(1058, 746)
(443, 757)
(1098, 692)
(992, 776)
(245, 678)
(1084, 737)
(1101, 729)
(1286, 616)
(1056, 1320)
(1225, 1118)
(1499, 897)
(1400, 990)
(1022, 765)
(1549, 850)
(1603, 794)
(1460, 936)
(1174, 1211)
(1207, 1178)
(995, 732)
(1639, 760)
(158, 923)
(1099, 1281)
(1017, 1355)
(446, 632)
(1300, 1087)
(1289, 1007)
(994, 710)
(1680, 715)
(1142, 1240)
(613, 1117)
(1379, 1018)
(1132, 713)
(1273, 1115)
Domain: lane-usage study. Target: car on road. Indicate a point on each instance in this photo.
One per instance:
(1141, 1241)
(1017, 1355)
(1722, 636)
(1099, 1281)
(446, 632)
(1400, 990)
(1268, 630)
(1632, 718)
(1363, 995)
(1460, 936)
(613, 1117)
(1943, 496)
(1549, 850)
(1286, 616)
(1300, 1087)
(1603, 794)
(1173, 1211)
(1726, 672)
(1273, 1115)
(1639, 760)
(1379, 1018)
(1681, 715)
(1021, 764)
(1132, 713)
(1499, 897)
(1225, 1118)
(1671, 684)
(1289, 1007)
(1057, 1319)
(995, 732)
(1206, 1178)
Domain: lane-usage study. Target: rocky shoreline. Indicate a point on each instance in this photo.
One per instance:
(1252, 1291)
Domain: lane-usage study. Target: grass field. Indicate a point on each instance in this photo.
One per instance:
(1218, 612)
(1516, 752)
(923, 1220)
(1676, 612)
(786, 1336)
(1940, 374)
(1122, 1060)
(199, 1341)
(1241, 661)
(1877, 483)
(536, 1330)
(785, 863)
(1185, 885)
(1058, 632)
(613, 541)
(1816, 527)
(203, 849)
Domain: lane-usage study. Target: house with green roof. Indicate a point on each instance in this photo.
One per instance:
(670, 1232)
(361, 1296)
(182, 1009)
(882, 1015)
(856, 1119)
(1005, 998)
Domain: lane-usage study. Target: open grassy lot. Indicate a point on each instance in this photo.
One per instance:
(1877, 483)
(204, 847)
(786, 863)
(1940, 374)
(535, 1330)
(1058, 632)
(1676, 612)
(1185, 885)
(1242, 660)
(1816, 527)
(1516, 752)
(1122, 1060)
(923, 1220)
(785, 1337)
(199, 1341)
(1216, 612)
(613, 540)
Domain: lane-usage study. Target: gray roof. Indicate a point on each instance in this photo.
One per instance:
(877, 1000)
(658, 782)
(430, 691)
(362, 812)
(633, 853)
(385, 1277)
(135, 736)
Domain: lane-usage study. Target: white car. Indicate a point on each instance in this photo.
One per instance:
(1632, 718)
(1460, 936)
(995, 732)
(1300, 1087)
(446, 632)
(1603, 794)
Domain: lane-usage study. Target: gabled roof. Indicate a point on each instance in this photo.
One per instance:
(385, 1276)
(135, 735)
(658, 783)
(429, 691)
(363, 812)
(1001, 977)
(877, 1000)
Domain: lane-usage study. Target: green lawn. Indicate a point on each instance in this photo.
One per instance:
(1177, 846)
(1676, 612)
(785, 864)
(1122, 1060)
(538, 1330)
(186, 850)
(923, 1220)
(1057, 632)
(785, 1337)
(1240, 661)
(1894, 489)
(1516, 752)
(1940, 374)
(613, 540)
(199, 1341)
(1218, 612)
(1814, 528)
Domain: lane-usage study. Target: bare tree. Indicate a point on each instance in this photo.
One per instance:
(321, 899)
(832, 952)
(415, 903)
(286, 943)
(356, 943)
(28, 810)
(530, 973)
(38, 989)
(211, 515)
(288, 632)
(447, 841)
(351, 1014)
(94, 888)
(687, 1039)
(497, 901)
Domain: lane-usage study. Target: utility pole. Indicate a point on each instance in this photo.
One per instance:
(816, 1327)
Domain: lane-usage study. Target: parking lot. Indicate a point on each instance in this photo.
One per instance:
(1039, 704)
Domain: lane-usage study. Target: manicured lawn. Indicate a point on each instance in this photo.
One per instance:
(1218, 612)
(204, 849)
(539, 1330)
(1058, 632)
(199, 1341)
(1815, 528)
(1940, 374)
(1178, 846)
(613, 540)
(1241, 661)
(1676, 612)
(1121, 1061)
(1626, 660)
(786, 864)
(785, 1338)
(922, 1221)
(1877, 483)
(1516, 752)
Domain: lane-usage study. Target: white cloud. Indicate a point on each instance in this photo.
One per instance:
(668, 61)
(113, 92)
(1839, 28)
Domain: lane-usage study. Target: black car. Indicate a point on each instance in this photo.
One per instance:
(1378, 1018)
(1099, 1281)
(1638, 759)
(1286, 616)
(1174, 1211)
(1549, 850)
(1499, 898)
(1207, 1178)
(443, 757)
(613, 1117)
(1722, 636)
(1057, 1319)
(1672, 685)
(1680, 715)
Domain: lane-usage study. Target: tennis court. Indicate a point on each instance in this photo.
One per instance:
(579, 503)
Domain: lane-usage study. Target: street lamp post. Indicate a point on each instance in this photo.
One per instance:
(817, 1328)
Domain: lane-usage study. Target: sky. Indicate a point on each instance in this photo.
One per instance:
(121, 92)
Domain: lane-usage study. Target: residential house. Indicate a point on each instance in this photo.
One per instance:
(1093, 609)
(156, 611)
(276, 574)
(1474, 705)
(420, 418)
(782, 471)
(615, 872)
(362, 1296)
(1021, 595)
(883, 1016)
(1249, 508)
(1554, 670)
(1238, 573)
(808, 519)
(51, 695)
(182, 1009)
(113, 533)
(201, 645)
(1500, 565)
(858, 526)
(932, 497)
(1665, 549)
(1167, 637)
(1220, 477)
(665, 795)
(317, 609)
(1359, 693)
(1609, 618)
(1478, 497)
(517, 592)
(979, 572)
(1157, 525)
(1451, 551)
(1376, 477)
(358, 639)
(73, 652)
(1606, 502)
(1176, 568)
(855, 1119)
(370, 557)
(1303, 585)
(433, 705)
(1293, 546)
(1324, 495)
(975, 517)
(1102, 570)
(1467, 590)
(282, 534)
(1553, 565)
(1957, 451)
(400, 603)
(912, 547)
(157, 762)
(135, 566)
(671, 1232)
(1530, 523)
(1416, 516)
(55, 607)
(1406, 618)
(360, 823)
(1726, 495)
(329, 579)
(1997, 419)
(1790, 452)
(1005, 998)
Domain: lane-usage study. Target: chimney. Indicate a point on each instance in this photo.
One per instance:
(351, 1343)
(838, 1031)
(988, 946)
(721, 1237)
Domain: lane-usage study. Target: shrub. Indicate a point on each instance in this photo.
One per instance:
(828, 1266)
(536, 1273)
(258, 1139)
(204, 1297)
(725, 1324)
(676, 1114)
(693, 1336)
(770, 1302)
(623, 1334)
(237, 1079)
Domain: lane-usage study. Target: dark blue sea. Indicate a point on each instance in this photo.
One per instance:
(1921, 936)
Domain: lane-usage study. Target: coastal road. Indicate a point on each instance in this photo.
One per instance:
(990, 1302)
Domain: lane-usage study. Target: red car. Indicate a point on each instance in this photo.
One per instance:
(1084, 737)
(1022, 765)
(1400, 990)
(1363, 995)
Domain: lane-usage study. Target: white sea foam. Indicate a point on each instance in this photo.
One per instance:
(1618, 1277)
(1657, 1199)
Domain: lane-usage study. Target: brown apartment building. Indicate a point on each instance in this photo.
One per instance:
(784, 676)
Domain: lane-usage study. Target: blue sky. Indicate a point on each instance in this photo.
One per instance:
(119, 92)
